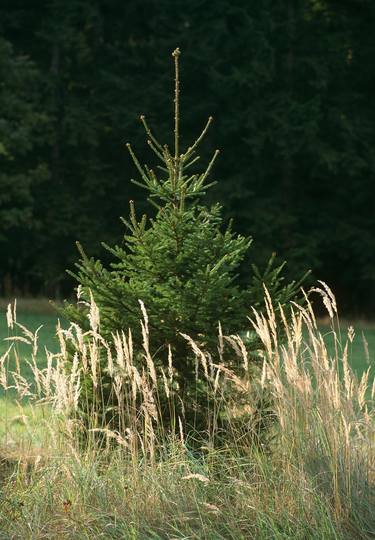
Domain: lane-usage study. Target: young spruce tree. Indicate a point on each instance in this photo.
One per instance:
(182, 263)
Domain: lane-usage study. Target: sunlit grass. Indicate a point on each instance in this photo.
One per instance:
(361, 349)
(23, 426)
(311, 477)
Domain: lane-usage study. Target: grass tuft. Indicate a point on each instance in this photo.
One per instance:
(308, 472)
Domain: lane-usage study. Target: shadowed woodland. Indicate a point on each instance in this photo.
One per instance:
(289, 85)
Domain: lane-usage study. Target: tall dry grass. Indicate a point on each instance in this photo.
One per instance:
(298, 460)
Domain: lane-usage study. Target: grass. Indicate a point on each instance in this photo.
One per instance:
(22, 424)
(361, 350)
(311, 475)
(93, 499)
(34, 313)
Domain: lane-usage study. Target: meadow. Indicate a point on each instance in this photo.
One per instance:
(310, 474)
(40, 313)
(187, 394)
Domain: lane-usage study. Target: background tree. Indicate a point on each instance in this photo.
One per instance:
(289, 86)
(23, 127)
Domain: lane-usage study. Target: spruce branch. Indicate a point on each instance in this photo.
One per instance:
(155, 150)
(137, 164)
(176, 53)
(208, 170)
(149, 133)
(192, 148)
(194, 160)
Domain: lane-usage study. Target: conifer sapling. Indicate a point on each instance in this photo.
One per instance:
(182, 263)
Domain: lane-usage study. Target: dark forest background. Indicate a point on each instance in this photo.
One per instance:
(290, 84)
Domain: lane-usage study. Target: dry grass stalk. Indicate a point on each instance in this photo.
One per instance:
(325, 415)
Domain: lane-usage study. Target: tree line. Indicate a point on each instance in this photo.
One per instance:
(289, 84)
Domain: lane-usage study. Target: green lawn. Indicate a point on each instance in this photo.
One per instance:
(32, 315)
(362, 351)
(31, 321)
(21, 426)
